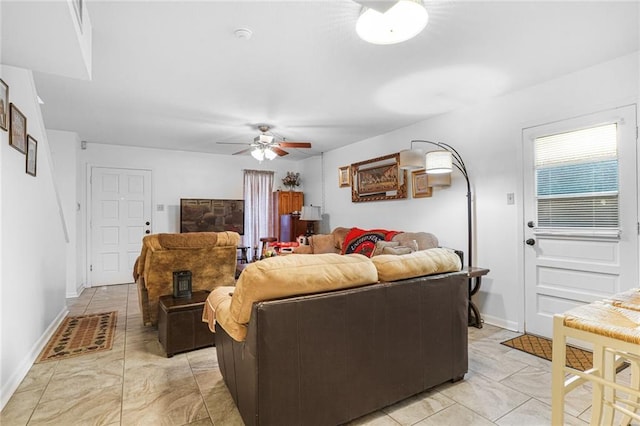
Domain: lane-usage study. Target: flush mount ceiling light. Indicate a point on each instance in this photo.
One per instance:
(243, 33)
(401, 22)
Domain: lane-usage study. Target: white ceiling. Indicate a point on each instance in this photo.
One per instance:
(172, 74)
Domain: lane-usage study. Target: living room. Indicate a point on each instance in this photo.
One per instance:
(44, 219)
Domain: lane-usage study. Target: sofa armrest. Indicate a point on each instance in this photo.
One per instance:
(460, 254)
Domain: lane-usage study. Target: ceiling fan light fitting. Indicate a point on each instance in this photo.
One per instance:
(258, 154)
(405, 20)
(270, 154)
(263, 139)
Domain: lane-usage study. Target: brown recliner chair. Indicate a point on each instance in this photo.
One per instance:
(210, 256)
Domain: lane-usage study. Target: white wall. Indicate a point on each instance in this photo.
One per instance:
(312, 177)
(64, 148)
(33, 276)
(488, 136)
(4, 138)
(4, 393)
(175, 175)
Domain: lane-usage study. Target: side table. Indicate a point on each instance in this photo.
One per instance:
(475, 275)
(242, 258)
(180, 326)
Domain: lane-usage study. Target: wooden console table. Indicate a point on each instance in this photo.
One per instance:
(475, 275)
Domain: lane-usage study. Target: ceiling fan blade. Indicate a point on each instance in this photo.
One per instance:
(233, 143)
(280, 152)
(295, 144)
(242, 152)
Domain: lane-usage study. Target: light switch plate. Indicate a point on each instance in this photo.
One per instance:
(511, 198)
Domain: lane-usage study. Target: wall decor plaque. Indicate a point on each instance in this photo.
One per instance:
(344, 176)
(32, 155)
(18, 130)
(4, 105)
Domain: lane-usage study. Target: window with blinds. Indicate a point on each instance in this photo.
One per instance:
(577, 179)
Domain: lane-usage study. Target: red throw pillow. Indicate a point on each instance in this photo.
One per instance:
(363, 241)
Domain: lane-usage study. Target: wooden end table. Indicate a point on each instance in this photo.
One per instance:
(475, 275)
(242, 258)
(180, 326)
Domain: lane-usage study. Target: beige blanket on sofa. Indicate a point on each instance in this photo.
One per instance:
(300, 274)
(284, 276)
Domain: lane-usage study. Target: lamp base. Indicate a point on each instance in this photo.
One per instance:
(310, 229)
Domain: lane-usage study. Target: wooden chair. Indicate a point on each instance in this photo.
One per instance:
(265, 244)
(613, 331)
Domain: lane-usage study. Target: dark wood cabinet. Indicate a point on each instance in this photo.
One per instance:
(180, 326)
(289, 201)
(286, 202)
(291, 227)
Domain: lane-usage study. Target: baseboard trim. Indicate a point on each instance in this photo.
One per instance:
(76, 293)
(11, 385)
(501, 322)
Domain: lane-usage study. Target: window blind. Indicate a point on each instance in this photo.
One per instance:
(577, 179)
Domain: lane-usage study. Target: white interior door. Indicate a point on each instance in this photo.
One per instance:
(120, 217)
(570, 261)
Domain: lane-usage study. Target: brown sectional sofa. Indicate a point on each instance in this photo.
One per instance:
(294, 350)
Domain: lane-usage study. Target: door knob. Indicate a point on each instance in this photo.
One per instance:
(147, 223)
(530, 224)
(530, 241)
(147, 232)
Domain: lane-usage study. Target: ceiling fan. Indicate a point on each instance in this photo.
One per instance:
(267, 146)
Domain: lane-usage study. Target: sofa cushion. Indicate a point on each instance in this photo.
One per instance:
(424, 240)
(381, 245)
(339, 234)
(416, 264)
(298, 274)
(323, 243)
(397, 250)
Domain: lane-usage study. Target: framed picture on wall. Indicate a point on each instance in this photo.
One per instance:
(18, 131)
(344, 176)
(443, 179)
(420, 184)
(378, 179)
(4, 105)
(32, 155)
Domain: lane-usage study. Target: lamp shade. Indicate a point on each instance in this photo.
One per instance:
(310, 213)
(438, 162)
(411, 159)
(404, 20)
(268, 152)
(258, 154)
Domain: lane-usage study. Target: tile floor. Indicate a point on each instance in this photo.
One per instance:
(135, 384)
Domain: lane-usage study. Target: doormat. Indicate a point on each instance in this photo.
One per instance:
(81, 335)
(541, 347)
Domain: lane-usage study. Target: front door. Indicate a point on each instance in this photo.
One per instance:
(580, 213)
(120, 217)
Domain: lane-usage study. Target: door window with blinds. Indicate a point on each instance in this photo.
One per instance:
(577, 180)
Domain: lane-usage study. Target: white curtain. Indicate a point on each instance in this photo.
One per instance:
(258, 204)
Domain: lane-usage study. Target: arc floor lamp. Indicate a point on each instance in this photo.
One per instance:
(440, 161)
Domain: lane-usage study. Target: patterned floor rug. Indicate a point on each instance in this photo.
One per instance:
(81, 335)
(577, 358)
